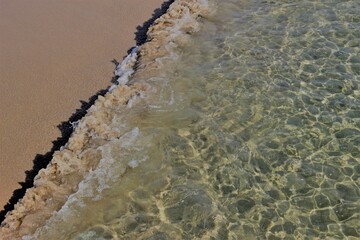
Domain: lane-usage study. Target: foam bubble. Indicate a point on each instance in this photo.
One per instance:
(124, 70)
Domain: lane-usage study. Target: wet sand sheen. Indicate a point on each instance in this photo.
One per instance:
(53, 54)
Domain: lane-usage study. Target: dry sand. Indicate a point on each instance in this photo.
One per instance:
(52, 55)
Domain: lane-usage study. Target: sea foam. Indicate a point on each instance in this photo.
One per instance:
(85, 160)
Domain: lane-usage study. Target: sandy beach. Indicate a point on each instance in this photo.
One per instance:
(52, 55)
(228, 120)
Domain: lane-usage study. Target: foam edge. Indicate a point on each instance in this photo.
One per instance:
(54, 184)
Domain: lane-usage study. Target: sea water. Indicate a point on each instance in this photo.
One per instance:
(253, 133)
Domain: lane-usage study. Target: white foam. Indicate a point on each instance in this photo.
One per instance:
(168, 32)
(135, 163)
(110, 168)
(125, 69)
(129, 138)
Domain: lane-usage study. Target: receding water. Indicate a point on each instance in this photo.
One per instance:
(254, 135)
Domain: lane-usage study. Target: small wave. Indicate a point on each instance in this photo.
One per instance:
(86, 159)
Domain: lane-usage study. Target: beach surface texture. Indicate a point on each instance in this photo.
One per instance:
(84, 150)
(230, 120)
(52, 55)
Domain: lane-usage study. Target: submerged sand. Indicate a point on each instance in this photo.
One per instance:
(84, 150)
(52, 55)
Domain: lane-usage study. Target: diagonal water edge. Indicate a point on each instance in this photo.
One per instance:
(124, 70)
(251, 136)
(76, 161)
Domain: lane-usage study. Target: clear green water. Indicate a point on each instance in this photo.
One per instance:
(254, 135)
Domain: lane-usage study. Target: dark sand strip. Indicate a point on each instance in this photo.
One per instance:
(53, 54)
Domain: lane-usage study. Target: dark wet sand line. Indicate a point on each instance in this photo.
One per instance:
(42, 160)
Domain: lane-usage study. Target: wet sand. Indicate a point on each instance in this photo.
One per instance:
(52, 55)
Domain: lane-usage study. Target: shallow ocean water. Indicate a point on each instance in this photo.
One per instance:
(253, 134)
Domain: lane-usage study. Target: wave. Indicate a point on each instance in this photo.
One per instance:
(83, 156)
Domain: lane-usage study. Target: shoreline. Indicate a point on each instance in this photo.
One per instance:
(51, 141)
(79, 155)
